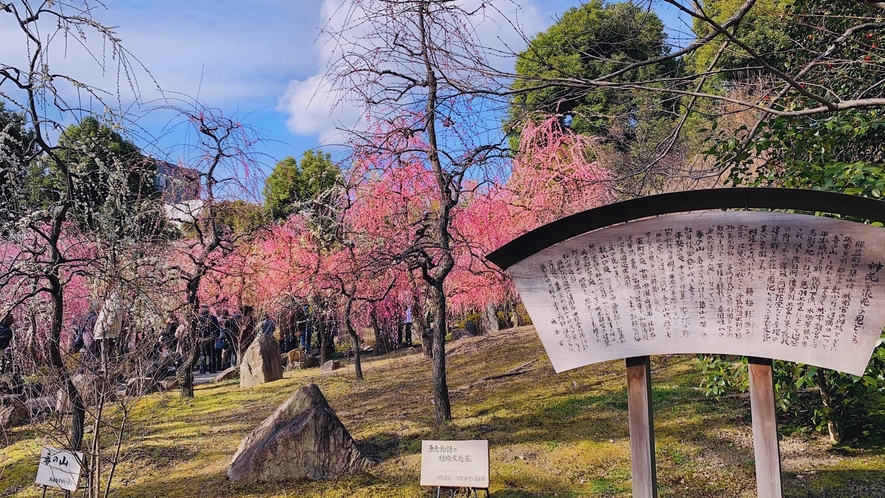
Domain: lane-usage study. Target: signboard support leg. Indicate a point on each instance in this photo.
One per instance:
(765, 444)
(642, 434)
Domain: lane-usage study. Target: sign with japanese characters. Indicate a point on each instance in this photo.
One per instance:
(455, 464)
(774, 285)
(59, 468)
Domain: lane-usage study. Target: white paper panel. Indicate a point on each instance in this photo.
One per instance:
(774, 285)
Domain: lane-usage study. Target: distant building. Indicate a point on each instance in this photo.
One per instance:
(180, 190)
(177, 183)
(183, 212)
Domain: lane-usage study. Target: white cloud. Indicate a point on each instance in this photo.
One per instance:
(238, 56)
(314, 108)
(226, 51)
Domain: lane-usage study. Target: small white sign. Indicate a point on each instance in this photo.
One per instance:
(455, 463)
(59, 468)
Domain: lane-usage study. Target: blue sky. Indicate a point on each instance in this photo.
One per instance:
(259, 60)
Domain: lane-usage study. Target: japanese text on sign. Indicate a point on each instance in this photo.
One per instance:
(455, 463)
(787, 286)
(59, 468)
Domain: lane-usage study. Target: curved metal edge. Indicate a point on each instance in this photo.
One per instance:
(676, 202)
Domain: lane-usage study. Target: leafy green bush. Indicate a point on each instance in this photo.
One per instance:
(808, 395)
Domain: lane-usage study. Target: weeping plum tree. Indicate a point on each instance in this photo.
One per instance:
(224, 161)
(50, 264)
(589, 41)
(42, 262)
(417, 68)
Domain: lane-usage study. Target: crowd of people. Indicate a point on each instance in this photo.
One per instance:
(218, 337)
(105, 332)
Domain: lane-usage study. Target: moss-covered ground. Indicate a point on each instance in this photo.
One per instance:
(549, 434)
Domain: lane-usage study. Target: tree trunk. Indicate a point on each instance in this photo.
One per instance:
(191, 356)
(324, 338)
(830, 412)
(490, 320)
(355, 339)
(78, 412)
(380, 342)
(75, 400)
(442, 405)
(419, 321)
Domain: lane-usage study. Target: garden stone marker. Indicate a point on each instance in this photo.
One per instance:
(302, 439)
(261, 362)
(13, 411)
(490, 320)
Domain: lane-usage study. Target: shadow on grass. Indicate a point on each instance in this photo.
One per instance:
(164, 454)
(835, 484)
(386, 445)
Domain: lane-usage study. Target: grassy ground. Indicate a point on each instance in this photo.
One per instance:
(549, 434)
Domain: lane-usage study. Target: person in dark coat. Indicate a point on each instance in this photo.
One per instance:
(5, 340)
(207, 332)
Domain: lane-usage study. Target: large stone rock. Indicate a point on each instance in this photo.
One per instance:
(90, 387)
(302, 439)
(261, 362)
(13, 412)
(310, 361)
(330, 366)
(227, 374)
(169, 383)
(43, 405)
(140, 386)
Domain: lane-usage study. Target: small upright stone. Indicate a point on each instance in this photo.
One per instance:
(261, 362)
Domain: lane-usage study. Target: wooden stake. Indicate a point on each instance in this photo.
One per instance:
(765, 444)
(642, 434)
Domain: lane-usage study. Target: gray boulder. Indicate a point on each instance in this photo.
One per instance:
(261, 362)
(169, 383)
(227, 374)
(310, 361)
(90, 386)
(13, 412)
(330, 366)
(302, 439)
(140, 386)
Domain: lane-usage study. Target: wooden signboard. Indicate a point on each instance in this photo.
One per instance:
(59, 469)
(611, 283)
(774, 285)
(455, 464)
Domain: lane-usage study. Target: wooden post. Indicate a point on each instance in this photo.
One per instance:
(642, 434)
(765, 444)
